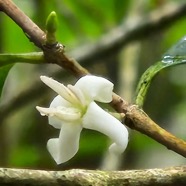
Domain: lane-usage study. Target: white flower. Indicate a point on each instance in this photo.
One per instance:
(74, 109)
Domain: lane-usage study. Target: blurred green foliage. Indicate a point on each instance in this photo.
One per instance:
(3, 74)
(24, 133)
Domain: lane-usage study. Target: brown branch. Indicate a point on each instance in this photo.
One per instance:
(55, 54)
(141, 122)
(38, 37)
(34, 33)
(112, 41)
(173, 176)
(135, 118)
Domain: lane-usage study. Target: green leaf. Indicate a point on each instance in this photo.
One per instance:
(176, 55)
(3, 74)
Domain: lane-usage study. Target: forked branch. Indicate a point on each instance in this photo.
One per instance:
(135, 117)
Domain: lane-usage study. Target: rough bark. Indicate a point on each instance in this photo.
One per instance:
(173, 176)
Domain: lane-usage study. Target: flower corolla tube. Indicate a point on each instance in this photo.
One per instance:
(74, 108)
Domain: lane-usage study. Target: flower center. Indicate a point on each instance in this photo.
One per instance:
(77, 107)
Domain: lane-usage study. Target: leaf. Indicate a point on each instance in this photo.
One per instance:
(176, 55)
(3, 74)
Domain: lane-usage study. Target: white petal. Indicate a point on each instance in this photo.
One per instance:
(57, 101)
(60, 89)
(96, 88)
(97, 119)
(66, 146)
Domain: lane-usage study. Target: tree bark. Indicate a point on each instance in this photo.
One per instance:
(172, 176)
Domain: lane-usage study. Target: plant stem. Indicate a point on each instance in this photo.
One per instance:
(33, 58)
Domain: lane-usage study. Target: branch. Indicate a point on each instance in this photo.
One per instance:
(112, 41)
(34, 33)
(38, 37)
(173, 176)
(135, 118)
(138, 120)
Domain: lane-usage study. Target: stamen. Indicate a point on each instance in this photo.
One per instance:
(45, 111)
(78, 93)
(61, 112)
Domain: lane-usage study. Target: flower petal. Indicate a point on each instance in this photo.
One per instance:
(95, 88)
(57, 101)
(59, 111)
(60, 89)
(97, 119)
(66, 146)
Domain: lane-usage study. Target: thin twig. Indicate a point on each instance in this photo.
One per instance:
(34, 33)
(135, 118)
